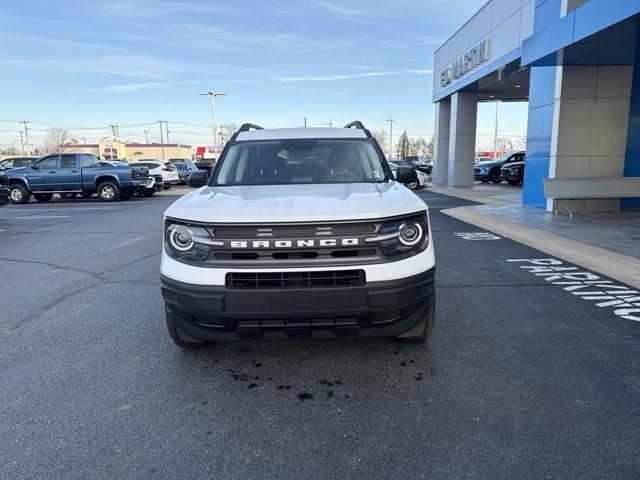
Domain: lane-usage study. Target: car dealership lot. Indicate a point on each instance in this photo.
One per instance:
(521, 377)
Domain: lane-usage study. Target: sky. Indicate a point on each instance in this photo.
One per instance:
(88, 64)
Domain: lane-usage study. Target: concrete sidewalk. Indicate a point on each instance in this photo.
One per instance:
(607, 243)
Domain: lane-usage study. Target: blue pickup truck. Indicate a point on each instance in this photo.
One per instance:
(69, 174)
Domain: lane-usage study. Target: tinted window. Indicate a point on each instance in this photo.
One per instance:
(68, 161)
(49, 162)
(301, 161)
(88, 161)
(7, 163)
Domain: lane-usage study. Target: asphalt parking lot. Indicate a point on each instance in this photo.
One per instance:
(521, 379)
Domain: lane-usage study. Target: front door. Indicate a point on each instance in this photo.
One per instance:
(42, 176)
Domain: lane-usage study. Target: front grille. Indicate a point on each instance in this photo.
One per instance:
(316, 279)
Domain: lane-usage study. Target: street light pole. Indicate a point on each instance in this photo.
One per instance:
(146, 136)
(390, 138)
(26, 136)
(161, 139)
(213, 96)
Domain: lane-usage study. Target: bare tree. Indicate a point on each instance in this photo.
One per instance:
(225, 132)
(56, 140)
(505, 144)
(520, 142)
(382, 138)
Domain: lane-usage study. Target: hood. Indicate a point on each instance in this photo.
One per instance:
(296, 203)
(488, 163)
(17, 170)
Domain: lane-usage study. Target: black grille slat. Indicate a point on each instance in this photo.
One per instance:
(317, 279)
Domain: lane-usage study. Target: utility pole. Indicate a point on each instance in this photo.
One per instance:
(330, 124)
(26, 136)
(161, 139)
(390, 138)
(166, 126)
(495, 136)
(22, 141)
(146, 136)
(213, 96)
(305, 121)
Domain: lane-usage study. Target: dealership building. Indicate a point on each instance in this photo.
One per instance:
(577, 63)
(110, 148)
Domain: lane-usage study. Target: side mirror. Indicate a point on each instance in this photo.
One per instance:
(198, 179)
(406, 175)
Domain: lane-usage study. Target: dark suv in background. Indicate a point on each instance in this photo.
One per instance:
(513, 172)
(4, 187)
(419, 163)
(184, 167)
(490, 171)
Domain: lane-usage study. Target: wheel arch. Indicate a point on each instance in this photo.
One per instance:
(106, 178)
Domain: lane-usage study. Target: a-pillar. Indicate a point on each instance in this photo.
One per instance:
(462, 139)
(441, 142)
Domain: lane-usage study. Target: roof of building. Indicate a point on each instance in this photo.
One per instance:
(301, 132)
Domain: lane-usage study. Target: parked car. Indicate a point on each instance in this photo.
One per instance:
(422, 164)
(4, 187)
(184, 167)
(17, 162)
(169, 175)
(513, 172)
(420, 179)
(149, 188)
(329, 245)
(489, 171)
(73, 173)
(205, 164)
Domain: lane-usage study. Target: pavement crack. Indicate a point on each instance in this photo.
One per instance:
(97, 276)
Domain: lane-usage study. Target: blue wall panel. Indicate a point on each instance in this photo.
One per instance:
(547, 12)
(539, 133)
(632, 160)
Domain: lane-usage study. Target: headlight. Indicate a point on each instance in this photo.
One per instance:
(400, 237)
(189, 242)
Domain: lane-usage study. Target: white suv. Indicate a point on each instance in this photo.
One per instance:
(299, 233)
(169, 173)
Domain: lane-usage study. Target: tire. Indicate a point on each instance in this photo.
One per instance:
(167, 187)
(43, 197)
(484, 181)
(68, 196)
(421, 332)
(126, 194)
(495, 177)
(18, 194)
(109, 191)
(86, 195)
(515, 183)
(413, 185)
(173, 332)
(148, 193)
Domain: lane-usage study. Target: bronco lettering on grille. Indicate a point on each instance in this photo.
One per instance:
(325, 242)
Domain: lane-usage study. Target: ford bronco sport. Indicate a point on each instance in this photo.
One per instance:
(298, 233)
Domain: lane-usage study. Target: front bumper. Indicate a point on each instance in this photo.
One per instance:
(210, 313)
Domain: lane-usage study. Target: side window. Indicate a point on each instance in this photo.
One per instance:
(7, 163)
(68, 161)
(88, 161)
(49, 162)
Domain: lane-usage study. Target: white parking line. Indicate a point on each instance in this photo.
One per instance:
(56, 209)
(35, 217)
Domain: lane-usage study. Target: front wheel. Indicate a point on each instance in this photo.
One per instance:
(18, 193)
(495, 177)
(148, 193)
(109, 192)
(421, 332)
(413, 185)
(173, 332)
(43, 197)
(513, 182)
(167, 187)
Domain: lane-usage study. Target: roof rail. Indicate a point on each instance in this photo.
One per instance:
(359, 125)
(245, 127)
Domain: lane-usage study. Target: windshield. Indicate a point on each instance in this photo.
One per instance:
(180, 166)
(300, 161)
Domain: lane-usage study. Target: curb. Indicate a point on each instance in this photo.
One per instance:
(615, 265)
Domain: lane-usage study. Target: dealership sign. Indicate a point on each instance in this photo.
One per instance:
(469, 60)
